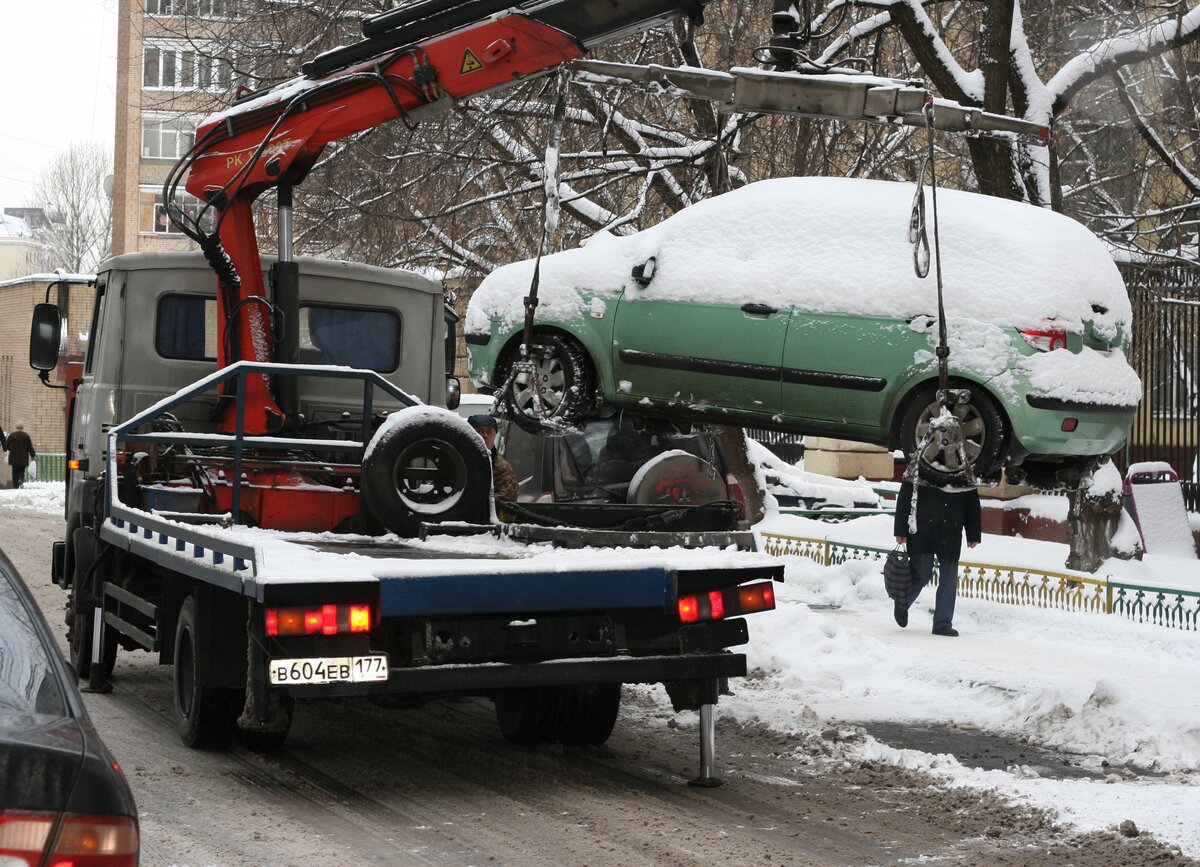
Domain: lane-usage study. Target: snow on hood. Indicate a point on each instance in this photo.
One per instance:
(838, 245)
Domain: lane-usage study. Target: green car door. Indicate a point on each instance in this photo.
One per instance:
(840, 369)
(700, 354)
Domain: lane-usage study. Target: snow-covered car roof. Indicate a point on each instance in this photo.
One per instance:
(838, 245)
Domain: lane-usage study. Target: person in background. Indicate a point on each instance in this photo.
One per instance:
(504, 479)
(942, 516)
(20, 453)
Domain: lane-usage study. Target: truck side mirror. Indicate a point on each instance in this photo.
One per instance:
(45, 337)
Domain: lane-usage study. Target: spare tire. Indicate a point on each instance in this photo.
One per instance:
(677, 477)
(426, 464)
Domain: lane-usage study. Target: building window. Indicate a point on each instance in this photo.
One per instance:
(153, 213)
(185, 66)
(167, 138)
(193, 8)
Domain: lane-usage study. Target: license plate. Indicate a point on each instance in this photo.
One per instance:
(329, 669)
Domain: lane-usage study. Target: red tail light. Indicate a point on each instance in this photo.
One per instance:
(320, 620)
(82, 841)
(1045, 339)
(719, 604)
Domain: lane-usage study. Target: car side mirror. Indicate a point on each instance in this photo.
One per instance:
(644, 273)
(45, 337)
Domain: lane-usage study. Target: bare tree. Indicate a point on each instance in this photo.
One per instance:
(71, 192)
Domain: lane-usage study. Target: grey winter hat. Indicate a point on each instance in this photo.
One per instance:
(20, 425)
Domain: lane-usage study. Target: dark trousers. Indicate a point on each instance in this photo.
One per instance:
(18, 476)
(947, 590)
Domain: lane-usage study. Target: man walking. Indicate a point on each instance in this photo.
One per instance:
(20, 453)
(941, 517)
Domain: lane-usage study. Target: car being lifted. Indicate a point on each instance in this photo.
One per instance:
(792, 304)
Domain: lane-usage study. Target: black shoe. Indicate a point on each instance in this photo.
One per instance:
(948, 631)
(901, 615)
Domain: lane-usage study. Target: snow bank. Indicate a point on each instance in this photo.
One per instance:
(837, 245)
(44, 497)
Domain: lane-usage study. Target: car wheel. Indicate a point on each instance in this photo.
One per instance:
(81, 608)
(427, 472)
(983, 436)
(559, 390)
(204, 715)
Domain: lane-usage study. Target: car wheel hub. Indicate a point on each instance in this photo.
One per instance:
(941, 453)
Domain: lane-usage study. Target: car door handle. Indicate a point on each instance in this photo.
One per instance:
(761, 309)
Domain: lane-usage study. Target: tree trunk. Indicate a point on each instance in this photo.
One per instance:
(1091, 523)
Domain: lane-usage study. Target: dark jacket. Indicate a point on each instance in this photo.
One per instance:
(20, 449)
(941, 518)
(3, 440)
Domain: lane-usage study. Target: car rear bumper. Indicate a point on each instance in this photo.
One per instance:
(1098, 429)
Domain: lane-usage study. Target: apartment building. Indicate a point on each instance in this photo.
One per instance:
(173, 68)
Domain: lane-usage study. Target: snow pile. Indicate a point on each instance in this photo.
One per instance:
(838, 245)
(1115, 692)
(782, 478)
(46, 497)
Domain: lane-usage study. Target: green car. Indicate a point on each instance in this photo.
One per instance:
(794, 304)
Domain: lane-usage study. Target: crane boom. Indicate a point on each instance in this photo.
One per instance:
(415, 61)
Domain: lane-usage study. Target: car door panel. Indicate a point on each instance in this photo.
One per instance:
(700, 354)
(841, 369)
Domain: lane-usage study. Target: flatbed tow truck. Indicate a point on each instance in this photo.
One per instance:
(262, 489)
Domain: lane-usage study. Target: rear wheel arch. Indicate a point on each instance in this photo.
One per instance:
(592, 344)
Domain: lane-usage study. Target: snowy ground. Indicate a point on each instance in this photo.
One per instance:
(1121, 697)
(1115, 692)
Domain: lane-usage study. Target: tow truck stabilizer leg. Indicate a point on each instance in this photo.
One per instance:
(708, 735)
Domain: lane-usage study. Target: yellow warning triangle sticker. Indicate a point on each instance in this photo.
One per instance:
(470, 63)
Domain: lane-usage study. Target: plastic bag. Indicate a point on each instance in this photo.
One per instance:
(31, 470)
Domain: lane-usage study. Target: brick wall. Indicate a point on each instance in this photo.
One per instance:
(23, 398)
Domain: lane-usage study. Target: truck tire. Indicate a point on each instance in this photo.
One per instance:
(571, 715)
(427, 472)
(528, 717)
(588, 714)
(81, 607)
(205, 716)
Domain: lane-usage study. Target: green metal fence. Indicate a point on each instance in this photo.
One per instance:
(1018, 585)
(51, 468)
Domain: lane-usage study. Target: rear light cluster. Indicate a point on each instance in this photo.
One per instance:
(1045, 339)
(321, 620)
(718, 604)
(82, 840)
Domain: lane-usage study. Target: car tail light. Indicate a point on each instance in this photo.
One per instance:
(82, 840)
(719, 604)
(734, 487)
(319, 620)
(1045, 339)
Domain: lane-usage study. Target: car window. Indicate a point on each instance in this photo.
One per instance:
(28, 681)
(186, 327)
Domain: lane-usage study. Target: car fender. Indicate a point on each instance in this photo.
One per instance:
(593, 330)
(916, 378)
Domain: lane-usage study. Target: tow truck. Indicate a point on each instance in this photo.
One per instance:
(252, 486)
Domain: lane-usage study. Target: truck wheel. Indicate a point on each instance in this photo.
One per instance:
(81, 608)
(560, 389)
(982, 428)
(528, 716)
(427, 472)
(588, 714)
(204, 715)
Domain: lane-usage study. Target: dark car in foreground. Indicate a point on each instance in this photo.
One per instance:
(63, 799)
